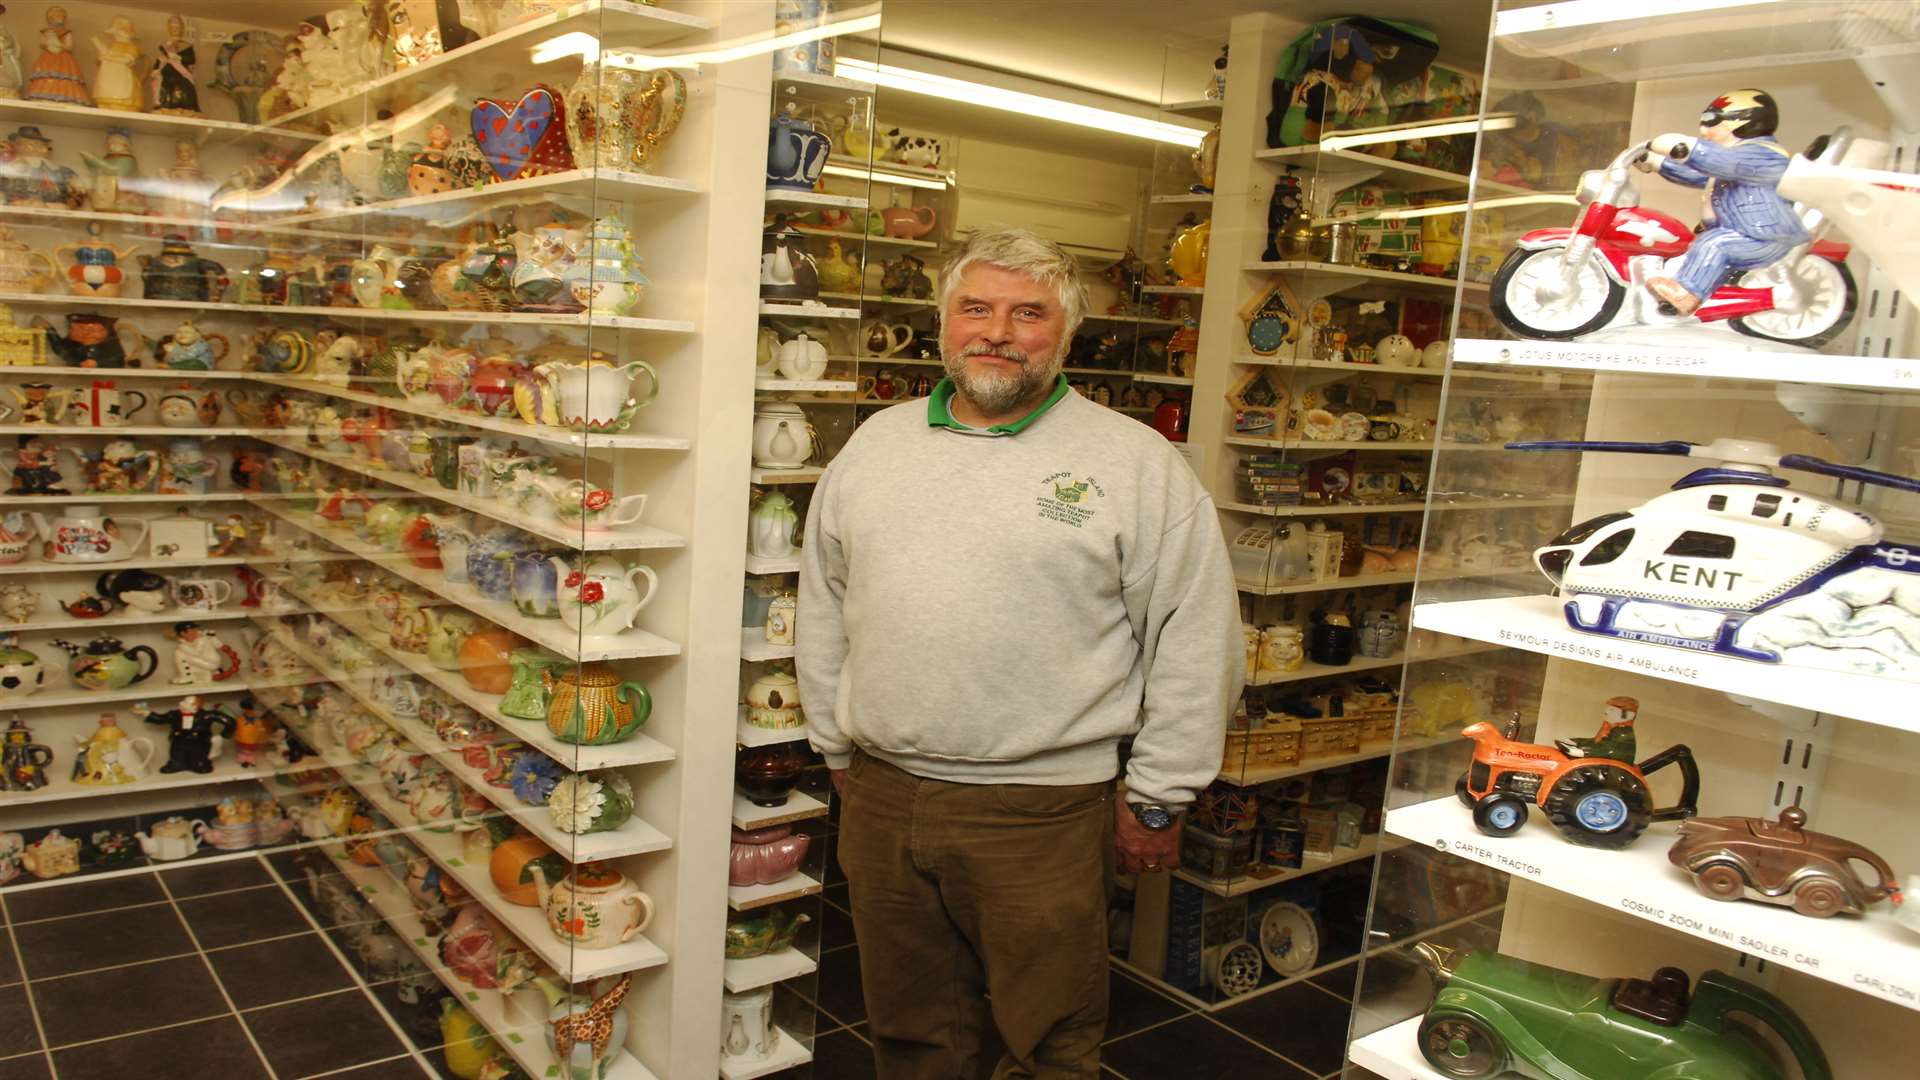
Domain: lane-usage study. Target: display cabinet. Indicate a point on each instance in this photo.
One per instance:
(362, 416)
(1677, 819)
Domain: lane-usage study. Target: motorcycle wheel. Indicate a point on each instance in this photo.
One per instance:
(1595, 301)
(1829, 313)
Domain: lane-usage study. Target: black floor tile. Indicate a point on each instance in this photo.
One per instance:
(1340, 980)
(17, 1033)
(840, 995)
(210, 1048)
(30, 1067)
(417, 1013)
(400, 1068)
(268, 972)
(1302, 1022)
(1194, 1049)
(9, 970)
(1132, 1005)
(236, 917)
(99, 1004)
(194, 879)
(102, 939)
(83, 896)
(836, 928)
(306, 1037)
(842, 1056)
(835, 876)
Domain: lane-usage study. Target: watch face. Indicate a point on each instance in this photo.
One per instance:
(1153, 817)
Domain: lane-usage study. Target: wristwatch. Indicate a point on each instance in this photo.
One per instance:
(1153, 815)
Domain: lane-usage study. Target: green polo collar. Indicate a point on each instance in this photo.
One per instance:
(939, 415)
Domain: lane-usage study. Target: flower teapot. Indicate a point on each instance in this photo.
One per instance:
(594, 396)
(584, 908)
(602, 597)
(577, 503)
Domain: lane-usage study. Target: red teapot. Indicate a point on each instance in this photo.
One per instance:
(493, 382)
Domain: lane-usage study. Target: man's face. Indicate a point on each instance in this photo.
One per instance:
(1001, 337)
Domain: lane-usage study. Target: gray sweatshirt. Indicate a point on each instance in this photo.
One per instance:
(1005, 606)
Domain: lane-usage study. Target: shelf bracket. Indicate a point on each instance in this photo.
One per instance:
(1800, 765)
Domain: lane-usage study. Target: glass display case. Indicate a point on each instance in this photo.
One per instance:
(1666, 516)
(359, 374)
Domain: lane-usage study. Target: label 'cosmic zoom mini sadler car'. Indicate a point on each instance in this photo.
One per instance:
(1734, 561)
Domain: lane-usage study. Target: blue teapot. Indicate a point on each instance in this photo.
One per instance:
(490, 560)
(796, 152)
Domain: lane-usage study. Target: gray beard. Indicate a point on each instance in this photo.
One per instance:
(994, 394)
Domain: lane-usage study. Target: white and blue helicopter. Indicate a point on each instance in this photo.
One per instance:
(1734, 561)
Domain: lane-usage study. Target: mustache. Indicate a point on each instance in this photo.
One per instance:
(1001, 352)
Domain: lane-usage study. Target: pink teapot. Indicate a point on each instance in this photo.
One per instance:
(764, 856)
(907, 222)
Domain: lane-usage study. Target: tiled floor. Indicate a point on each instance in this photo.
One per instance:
(202, 970)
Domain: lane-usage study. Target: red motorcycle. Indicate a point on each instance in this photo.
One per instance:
(1560, 284)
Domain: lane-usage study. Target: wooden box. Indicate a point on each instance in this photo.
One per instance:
(1329, 737)
(1275, 743)
(1376, 724)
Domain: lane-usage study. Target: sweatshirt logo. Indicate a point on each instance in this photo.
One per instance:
(1071, 499)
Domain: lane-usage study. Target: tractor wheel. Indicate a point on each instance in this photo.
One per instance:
(1721, 882)
(1500, 814)
(1820, 898)
(1602, 806)
(1462, 1046)
(1460, 791)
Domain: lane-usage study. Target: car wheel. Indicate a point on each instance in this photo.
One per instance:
(1722, 882)
(1602, 806)
(1500, 815)
(1820, 898)
(1460, 791)
(1462, 1046)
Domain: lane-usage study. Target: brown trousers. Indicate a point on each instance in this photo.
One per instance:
(967, 892)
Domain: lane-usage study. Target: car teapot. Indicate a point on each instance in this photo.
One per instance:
(171, 839)
(84, 534)
(803, 358)
(593, 396)
(782, 436)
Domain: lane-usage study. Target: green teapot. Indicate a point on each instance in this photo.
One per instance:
(104, 664)
(445, 634)
(527, 697)
(760, 934)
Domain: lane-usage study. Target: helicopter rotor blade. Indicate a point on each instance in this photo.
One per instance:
(1848, 472)
(1671, 448)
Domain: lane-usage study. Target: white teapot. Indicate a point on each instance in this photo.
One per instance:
(771, 526)
(782, 437)
(174, 838)
(85, 534)
(767, 353)
(592, 396)
(803, 358)
(602, 598)
(584, 908)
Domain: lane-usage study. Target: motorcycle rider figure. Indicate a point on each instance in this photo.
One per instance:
(1739, 163)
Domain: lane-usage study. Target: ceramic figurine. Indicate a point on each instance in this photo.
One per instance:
(12, 79)
(1379, 634)
(91, 341)
(781, 620)
(590, 802)
(618, 119)
(109, 755)
(199, 656)
(796, 152)
(247, 65)
(118, 467)
(773, 701)
(114, 85)
(37, 403)
(1217, 84)
(593, 907)
(1782, 863)
(114, 177)
(586, 1033)
(82, 534)
(591, 705)
(18, 269)
(103, 664)
(428, 173)
(613, 284)
(96, 268)
(87, 607)
(179, 273)
(34, 470)
(187, 349)
(56, 71)
(534, 776)
(1596, 801)
(23, 762)
(787, 270)
(171, 82)
(32, 179)
(592, 396)
(906, 276)
(840, 272)
(764, 856)
(523, 138)
(767, 775)
(17, 602)
(51, 856)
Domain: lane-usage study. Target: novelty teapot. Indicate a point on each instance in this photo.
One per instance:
(179, 273)
(594, 396)
(84, 534)
(602, 597)
(91, 341)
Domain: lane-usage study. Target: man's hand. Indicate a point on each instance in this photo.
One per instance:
(1141, 848)
(839, 777)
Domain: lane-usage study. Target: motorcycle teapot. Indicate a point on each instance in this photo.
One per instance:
(594, 396)
(82, 534)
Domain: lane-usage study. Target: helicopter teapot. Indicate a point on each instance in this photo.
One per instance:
(1733, 561)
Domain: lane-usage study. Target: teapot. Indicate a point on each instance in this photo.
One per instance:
(173, 838)
(885, 339)
(767, 353)
(773, 701)
(380, 280)
(581, 505)
(585, 908)
(747, 1032)
(105, 664)
(586, 1032)
(782, 437)
(187, 408)
(547, 267)
(764, 856)
(107, 755)
(602, 598)
(51, 856)
(796, 152)
(536, 584)
(803, 358)
(83, 534)
(179, 273)
(589, 705)
(282, 352)
(771, 526)
(140, 590)
(527, 697)
(21, 673)
(446, 632)
(612, 283)
(91, 341)
(495, 385)
(451, 537)
(39, 403)
(908, 222)
(17, 272)
(105, 405)
(594, 396)
(787, 270)
(96, 264)
(117, 468)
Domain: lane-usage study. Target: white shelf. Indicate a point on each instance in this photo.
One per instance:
(806, 386)
(747, 735)
(29, 502)
(882, 170)
(1368, 847)
(789, 963)
(524, 1041)
(1403, 445)
(799, 807)
(1181, 200)
(869, 239)
(1436, 505)
(78, 627)
(755, 647)
(807, 309)
(155, 689)
(54, 371)
(580, 320)
(1143, 320)
(127, 431)
(791, 887)
(459, 205)
(1358, 581)
(18, 111)
(787, 1054)
(1362, 275)
(814, 198)
(1345, 168)
(434, 410)
(1873, 954)
(758, 565)
(880, 298)
(550, 633)
(1539, 624)
(1173, 290)
(1312, 670)
(1202, 108)
(1149, 377)
(806, 474)
(836, 87)
(1732, 362)
(1258, 776)
(627, 538)
(1394, 1053)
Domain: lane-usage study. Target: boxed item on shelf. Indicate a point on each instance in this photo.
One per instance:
(1272, 742)
(1321, 827)
(1214, 855)
(1282, 845)
(1329, 736)
(1196, 921)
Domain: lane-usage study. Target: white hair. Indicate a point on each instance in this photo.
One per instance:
(1027, 253)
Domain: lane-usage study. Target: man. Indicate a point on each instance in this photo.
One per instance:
(1737, 160)
(1000, 585)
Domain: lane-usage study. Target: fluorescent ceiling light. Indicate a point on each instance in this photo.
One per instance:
(994, 97)
(883, 176)
(587, 47)
(1570, 13)
(1418, 131)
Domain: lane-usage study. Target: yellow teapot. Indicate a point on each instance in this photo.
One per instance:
(1188, 257)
